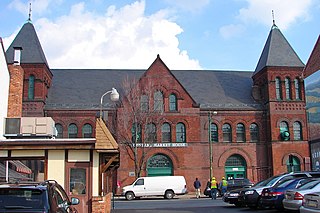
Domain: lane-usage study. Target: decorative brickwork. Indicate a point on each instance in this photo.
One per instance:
(15, 91)
(101, 204)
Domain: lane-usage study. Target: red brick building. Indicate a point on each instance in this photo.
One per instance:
(181, 122)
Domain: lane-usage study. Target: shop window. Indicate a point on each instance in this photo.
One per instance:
(31, 88)
(181, 133)
(166, 133)
(297, 131)
(72, 131)
(254, 133)
(87, 131)
(227, 133)
(241, 133)
(59, 129)
(78, 181)
(173, 102)
(213, 132)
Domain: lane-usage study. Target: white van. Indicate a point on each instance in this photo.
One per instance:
(167, 186)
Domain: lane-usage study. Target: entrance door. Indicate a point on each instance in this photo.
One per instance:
(159, 165)
(78, 185)
(235, 167)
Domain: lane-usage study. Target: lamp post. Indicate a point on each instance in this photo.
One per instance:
(114, 96)
(210, 139)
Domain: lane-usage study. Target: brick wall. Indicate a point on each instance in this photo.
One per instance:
(101, 204)
(15, 91)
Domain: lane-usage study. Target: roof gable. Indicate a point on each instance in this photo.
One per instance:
(27, 39)
(278, 52)
(313, 64)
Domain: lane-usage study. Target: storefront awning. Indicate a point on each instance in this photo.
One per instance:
(20, 167)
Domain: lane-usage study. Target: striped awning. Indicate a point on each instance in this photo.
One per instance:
(20, 167)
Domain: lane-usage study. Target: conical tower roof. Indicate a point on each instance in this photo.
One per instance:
(278, 52)
(28, 40)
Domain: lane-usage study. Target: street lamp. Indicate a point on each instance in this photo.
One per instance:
(114, 96)
(210, 140)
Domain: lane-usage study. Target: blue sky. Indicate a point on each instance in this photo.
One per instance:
(188, 34)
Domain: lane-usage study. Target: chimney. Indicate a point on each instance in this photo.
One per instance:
(17, 55)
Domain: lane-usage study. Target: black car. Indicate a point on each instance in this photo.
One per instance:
(44, 197)
(238, 183)
(232, 196)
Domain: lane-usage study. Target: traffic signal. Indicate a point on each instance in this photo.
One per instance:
(285, 135)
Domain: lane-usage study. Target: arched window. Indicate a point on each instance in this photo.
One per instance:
(144, 103)
(166, 133)
(213, 132)
(158, 101)
(284, 131)
(254, 133)
(87, 131)
(227, 133)
(278, 89)
(31, 88)
(241, 133)
(136, 133)
(151, 133)
(297, 131)
(288, 88)
(297, 88)
(59, 129)
(72, 131)
(181, 133)
(173, 106)
(293, 164)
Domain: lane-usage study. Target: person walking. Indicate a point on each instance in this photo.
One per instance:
(214, 188)
(197, 186)
(224, 185)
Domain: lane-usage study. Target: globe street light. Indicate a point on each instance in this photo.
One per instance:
(114, 96)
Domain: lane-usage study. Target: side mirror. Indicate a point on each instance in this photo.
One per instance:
(75, 201)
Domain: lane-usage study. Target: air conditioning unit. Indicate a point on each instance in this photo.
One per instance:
(30, 127)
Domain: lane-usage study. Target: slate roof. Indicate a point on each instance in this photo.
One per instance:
(278, 52)
(27, 39)
(82, 88)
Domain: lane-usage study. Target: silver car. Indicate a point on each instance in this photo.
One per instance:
(293, 198)
(311, 203)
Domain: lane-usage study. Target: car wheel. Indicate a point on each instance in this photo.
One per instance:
(129, 196)
(169, 194)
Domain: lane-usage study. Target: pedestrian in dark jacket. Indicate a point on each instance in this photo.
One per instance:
(197, 186)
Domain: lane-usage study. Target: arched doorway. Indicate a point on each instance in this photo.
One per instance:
(293, 164)
(235, 167)
(159, 165)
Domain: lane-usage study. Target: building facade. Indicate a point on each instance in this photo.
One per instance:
(195, 123)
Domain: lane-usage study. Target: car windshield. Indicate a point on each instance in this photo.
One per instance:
(309, 185)
(270, 181)
(21, 198)
(284, 183)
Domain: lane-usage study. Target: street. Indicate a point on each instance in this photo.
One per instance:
(177, 205)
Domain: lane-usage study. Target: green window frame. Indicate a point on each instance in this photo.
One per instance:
(173, 106)
(181, 133)
(87, 131)
(72, 131)
(31, 87)
(166, 133)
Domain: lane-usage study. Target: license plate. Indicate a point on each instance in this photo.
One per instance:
(312, 203)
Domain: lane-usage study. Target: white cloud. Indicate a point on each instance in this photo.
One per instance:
(120, 38)
(286, 12)
(228, 31)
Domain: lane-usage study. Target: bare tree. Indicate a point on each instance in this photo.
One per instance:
(138, 120)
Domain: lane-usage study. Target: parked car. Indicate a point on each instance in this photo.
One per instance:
(272, 197)
(251, 197)
(167, 186)
(311, 203)
(232, 196)
(44, 197)
(293, 198)
(238, 183)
